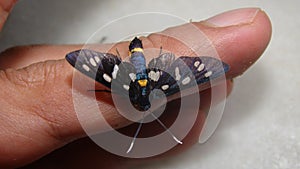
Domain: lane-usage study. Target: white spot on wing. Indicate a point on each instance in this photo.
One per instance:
(165, 87)
(201, 67)
(97, 59)
(150, 74)
(186, 80)
(86, 67)
(115, 71)
(196, 64)
(92, 61)
(132, 76)
(207, 74)
(126, 87)
(106, 78)
(177, 75)
(154, 75)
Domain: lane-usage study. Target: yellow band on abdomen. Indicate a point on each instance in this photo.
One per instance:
(143, 82)
(137, 50)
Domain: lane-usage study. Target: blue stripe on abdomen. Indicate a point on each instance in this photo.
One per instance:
(139, 62)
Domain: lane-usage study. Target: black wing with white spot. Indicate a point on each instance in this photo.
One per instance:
(171, 75)
(105, 68)
(202, 68)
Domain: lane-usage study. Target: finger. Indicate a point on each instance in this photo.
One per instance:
(47, 86)
(5, 8)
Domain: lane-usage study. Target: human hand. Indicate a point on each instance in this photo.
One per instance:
(37, 113)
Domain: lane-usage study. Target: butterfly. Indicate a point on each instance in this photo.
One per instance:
(136, 80)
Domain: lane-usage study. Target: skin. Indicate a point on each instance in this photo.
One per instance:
(38, 124)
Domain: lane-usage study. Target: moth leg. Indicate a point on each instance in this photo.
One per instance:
(136, 134)
(162, 124)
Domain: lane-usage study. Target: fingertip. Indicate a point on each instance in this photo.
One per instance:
(239, 36)
(248, 44)
(242, 42)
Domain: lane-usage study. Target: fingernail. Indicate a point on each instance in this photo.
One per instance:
(234, 17)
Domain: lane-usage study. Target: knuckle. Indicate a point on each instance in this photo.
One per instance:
(23, 78)
(37, 75)
(31, 87)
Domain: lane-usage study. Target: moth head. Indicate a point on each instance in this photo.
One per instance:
(135, 44)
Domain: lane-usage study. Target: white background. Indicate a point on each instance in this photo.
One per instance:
(260, 127)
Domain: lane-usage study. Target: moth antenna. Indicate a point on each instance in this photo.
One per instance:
(118, 53)
(160, 50)
(136, 134)
(173, 136)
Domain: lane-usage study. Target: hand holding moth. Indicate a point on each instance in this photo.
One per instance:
(136, 82)
(36, 104)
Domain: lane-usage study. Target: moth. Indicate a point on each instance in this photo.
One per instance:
(136, 80)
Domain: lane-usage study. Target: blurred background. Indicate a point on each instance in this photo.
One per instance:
(260, 126)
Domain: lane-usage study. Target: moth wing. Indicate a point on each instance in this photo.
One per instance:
(162, 62)
(202, 69)
(104, 68)
(186, 72)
